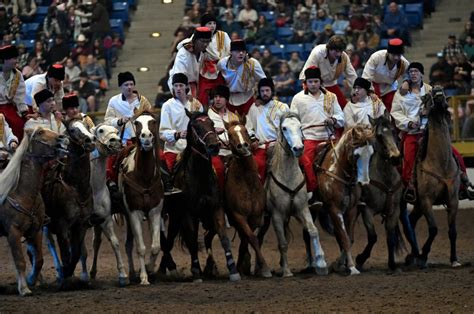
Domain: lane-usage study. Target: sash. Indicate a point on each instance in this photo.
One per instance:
(247, 71)
(328, 101)
(14, 85)
(340, 67)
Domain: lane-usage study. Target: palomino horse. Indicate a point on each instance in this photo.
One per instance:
(140, 183)
(383, 194)
(68, 199)
(244, 197)
(21, 205)
(286, 192)
(200, 200)
(437, 175)
(339, 180)
(107, 142)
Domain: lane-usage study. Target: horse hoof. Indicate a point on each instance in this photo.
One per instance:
(234, 277)
(456, 264)
(92, 275)
(145, 282)
(84, 277)
(31, 280)
(287, 273)
(25, 292)
(322, 271)
(266, 273)
(198, 280)
(353, 271)
(123, 281)
(174, 273)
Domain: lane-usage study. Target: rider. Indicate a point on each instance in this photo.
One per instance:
(51, 80)
(219, 113)
(263, 122)
(71, 109)
(320, 113)
(174, 122)
(407, 113)
(8, 141)
(46, 118)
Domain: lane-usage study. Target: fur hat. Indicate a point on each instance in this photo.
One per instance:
(206, 18)
(70, 101)
(180, 78)
(125, 77)
(8, 52)
(417, 65)
(221, 90)
(395, 46)
(312, 72)
(238, 45)
(42, 96)
(362, 82)
(202, 33)
(56, 71)
(266, 81)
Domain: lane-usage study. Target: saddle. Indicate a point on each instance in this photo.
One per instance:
(323, 149)
(124, 153)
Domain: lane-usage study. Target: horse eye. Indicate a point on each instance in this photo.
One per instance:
(136, 123)
(284, 128)
(101, 131)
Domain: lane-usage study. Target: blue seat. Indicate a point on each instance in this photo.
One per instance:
(120, 11)
(308, 47)
(284, 34)
(117, 26)
(383, 43)
(414, 13)
(290, 48)
(386, 9)
(277, 51)
(269, 15)
(29, 30)
(40, 14)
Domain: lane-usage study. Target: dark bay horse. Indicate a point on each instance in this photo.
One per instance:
(244, 197)
(437, 175)
(340, 182)
(67, 194)
(140, 183)
(200, 200)
(21, 206)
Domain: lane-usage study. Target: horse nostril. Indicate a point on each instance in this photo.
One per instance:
(239, 146)
(88, 140)
(246, 145)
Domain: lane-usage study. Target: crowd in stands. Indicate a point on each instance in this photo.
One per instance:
(74, 33)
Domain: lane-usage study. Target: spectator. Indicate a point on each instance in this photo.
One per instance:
(116, 46)
(318, 25)
(14, 27)
(340, 23)
(469, 47)
(55, 23)
(230, 25)
(59, 51)
(441, 73)
(80, 52)
(41, 54)
(228, 7)
(164, 92)
(234, 36)
(462, 75)
(23, 55)
(186, 28)
(395, 24)
(285, 81)
(96, 73)
(98, 51)
(302, 32)
(324, 36)
(372, 37)
(82, 21)
(363, 54)
(284, 14)
(468, 31)
(256, 54)
(25, 9)
(265, 31)
(247, 15)
(32, 68)
(100, 24)
(295, 63)
(4, 20)
(72, 72)
(358, 23)
(85, 90)
(468, 126)
(211, 8)
(452, 49)
(269, 62)
(195, 14)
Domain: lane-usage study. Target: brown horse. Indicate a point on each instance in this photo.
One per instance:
(21, 207)
(140, 183)
(339, 184)
(244, 197)
(437, 175)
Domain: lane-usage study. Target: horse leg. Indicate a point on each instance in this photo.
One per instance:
(305, 218)
(108, 228)
(368, 219)
(14, 240)
(262, 268)
(267, 219)
(244, 261)
(96, 242)
(52, 249)
(78, 234)
(36, 250)
(432, 232)
(279, 227)
(129, 250)
(136, 218)
(345, 242)
(210, 270)
(392, 233)
(409, 232)
(167, 244)
(219, 223)
(414, 216)
(452, 232)
(84, 274)
(154, 217)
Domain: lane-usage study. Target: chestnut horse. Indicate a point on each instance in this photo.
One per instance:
(244, 197)
(200, 200)
(339, 187)
(437, 175)
(21, 206)
(140, 183)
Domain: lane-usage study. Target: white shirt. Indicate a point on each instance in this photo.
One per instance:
(219, 123)
(406, 109)
(50, 124)
(264, 121)
(19, 97)
(174, 119)
(376, 70)
(241, 81)
(359, 112)
(186, 63)
(37, 83)
(213, 54)
(117, 108)
(318, 57)
(8, 135)
(312, 113)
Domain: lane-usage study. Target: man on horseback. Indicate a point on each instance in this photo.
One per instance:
(384, 68)
(52, 80)
(320, 113)
(46, 118)
(12, 91)
(262, 124)
(333, 61)
(409, 118)
(219, 114)
(241, 74)
(71, 110)
(8, 141)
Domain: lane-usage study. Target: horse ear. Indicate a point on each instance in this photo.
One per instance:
(386, 115)
(243, 119)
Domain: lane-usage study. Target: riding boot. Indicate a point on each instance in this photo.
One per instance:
(168, 181)
(314, 199)
(116, 198)
(464, 191)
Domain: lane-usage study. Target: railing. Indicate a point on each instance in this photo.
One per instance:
(464, 144)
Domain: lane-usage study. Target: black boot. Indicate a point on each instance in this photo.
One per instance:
(466, 185)
(116, 198)
(314, 199)
(168, 182)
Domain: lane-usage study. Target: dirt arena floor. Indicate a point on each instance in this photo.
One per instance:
(435, 289)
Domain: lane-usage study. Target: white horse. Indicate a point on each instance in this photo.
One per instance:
(286, 192)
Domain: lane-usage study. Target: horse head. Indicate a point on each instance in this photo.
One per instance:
(201, 132)
(384, 137)
(290, 130)
(435, 105)
(146, 130)
(359, 138)
(45, 144)
(239, 139)
(80, 134)
(107, 139)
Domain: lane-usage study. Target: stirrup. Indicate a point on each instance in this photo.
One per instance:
(172, 191)
(409, 195)
(314, 199)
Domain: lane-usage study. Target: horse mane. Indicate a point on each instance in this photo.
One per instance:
(10, 176)
(233, 123)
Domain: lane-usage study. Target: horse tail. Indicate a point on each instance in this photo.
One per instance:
(326, 222)
(400, 244)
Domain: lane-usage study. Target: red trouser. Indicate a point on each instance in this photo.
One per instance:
(15, 122)
(260, 157)
(242, 109)
(386, 99)
(341, 99)
(219, 168)
(170, 159)
(307, 160)
(206, 86)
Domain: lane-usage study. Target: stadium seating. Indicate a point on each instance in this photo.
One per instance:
(29, 30)
(284, 34)
(117, 26)
(277, 50)
(120, 11)
(41, 13)
(299, 48)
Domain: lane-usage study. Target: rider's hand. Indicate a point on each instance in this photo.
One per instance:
(33, 115)
(220, 131)
(404, 88)
(13, 146)
(330, 121)
(123, 121)
(413, 125)
(58, 115)
(254, 145)
(180, 134)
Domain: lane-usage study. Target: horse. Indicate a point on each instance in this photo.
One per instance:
(67, 194)
(140, 183)
(244, 196)
(21, 206)
(107, 143)
(339, 187)
(200, 201)
(383, 194)
(437, 176)
(286, 194)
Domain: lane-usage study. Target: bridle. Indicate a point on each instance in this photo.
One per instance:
(42, 157)
(201, 139)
